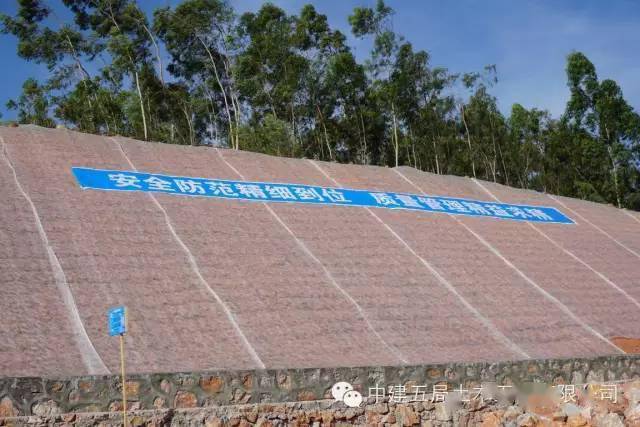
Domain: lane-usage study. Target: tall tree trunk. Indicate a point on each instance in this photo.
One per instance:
(614, 172)
(504, 167)
(395, 130)
(326, 135)
(157, 49)
(144, 118)
(435, 150)
(84, 76)
(614, 167)
(413, 149)
(137, 79)
(189, 125)
(364, 140)
(234, 102)
(224, 92)
(495, 151)
(464, 121)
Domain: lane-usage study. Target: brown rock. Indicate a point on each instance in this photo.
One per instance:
(213, 422)
(306, 395)
(527, 420)
(240, 396)
(132, 388)
(434, 373)
(46, 408)
(372, 419)
(57, 386)
(380, 408)
(476, 405)
(609, 420)
(559, 416)
(165, 386)
(85, 386)
(115, 406)
(7, 409)
(327, 417)
(512, 413)
(159, 402)
(185, 399)
(406, 416)
(68, 418)
(490, 419)
(211, 384)
(252, 416)
(577, 421)
(247, 381)
(284, 380)
(542, 405)
(443, 412)
(391, 419)
(137, 421)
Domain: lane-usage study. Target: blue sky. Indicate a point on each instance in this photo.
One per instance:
(527, 40)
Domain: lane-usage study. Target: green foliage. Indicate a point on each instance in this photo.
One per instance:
(288, 84)
(271, 136)
(33, 104)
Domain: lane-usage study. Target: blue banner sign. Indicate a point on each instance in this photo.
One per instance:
(114, 180)
(117, 320)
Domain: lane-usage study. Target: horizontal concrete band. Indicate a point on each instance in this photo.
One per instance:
(22, 396)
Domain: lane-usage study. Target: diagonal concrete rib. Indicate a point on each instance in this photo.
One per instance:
(631, 215)
(194, 266)
(549, 296)
(90, 357)
(616, 241)
(488, 324)
(401, 358)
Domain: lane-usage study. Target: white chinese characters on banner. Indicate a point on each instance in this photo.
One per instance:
(298, 193)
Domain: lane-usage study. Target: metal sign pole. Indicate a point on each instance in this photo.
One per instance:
(124, 383)
(117, 317)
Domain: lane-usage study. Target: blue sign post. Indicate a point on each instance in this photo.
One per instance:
(118, 327)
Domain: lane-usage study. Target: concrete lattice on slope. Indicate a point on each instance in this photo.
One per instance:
(219, 284)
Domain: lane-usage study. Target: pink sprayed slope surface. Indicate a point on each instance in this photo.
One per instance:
(289, 311)
(224, 284)
(406, 305)
(602, 252)
(36, 332)
(115, 249)
(572, 283)
(495, 290)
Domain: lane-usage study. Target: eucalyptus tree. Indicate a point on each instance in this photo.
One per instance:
(376, 22)
(608, 127)
(33, 104)
(330, 92)
(198, 34)
(120, 29)
(44, 39)
(525, 147)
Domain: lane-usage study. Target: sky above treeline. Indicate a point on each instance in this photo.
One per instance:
(527, 41)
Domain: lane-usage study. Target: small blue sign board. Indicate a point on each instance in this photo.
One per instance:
(116, 180)
(117, 321)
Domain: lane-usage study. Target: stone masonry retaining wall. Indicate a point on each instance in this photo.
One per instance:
(51, 396)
